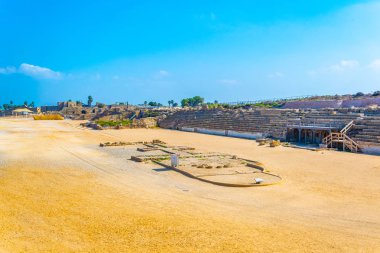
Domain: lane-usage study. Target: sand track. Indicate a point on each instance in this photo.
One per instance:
(60, 192)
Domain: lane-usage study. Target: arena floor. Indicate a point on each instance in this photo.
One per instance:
(61, 192)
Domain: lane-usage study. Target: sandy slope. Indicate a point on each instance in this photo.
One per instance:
(59, 192)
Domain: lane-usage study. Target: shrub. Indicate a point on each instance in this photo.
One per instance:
(262, 143)
(359, 94)
(274, 143)
(112, 123)
(48, 117)
(376, 93)
(268, 104)
(149, 114)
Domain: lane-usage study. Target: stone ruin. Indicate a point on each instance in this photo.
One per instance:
(294, 125)
(215, 168)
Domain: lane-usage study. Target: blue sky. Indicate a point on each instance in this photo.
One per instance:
(161, 50)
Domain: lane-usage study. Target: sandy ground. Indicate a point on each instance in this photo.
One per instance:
(60, 192)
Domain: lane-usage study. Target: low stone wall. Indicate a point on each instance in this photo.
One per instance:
(229, 133)
(210, 131)
(245, 135)
(371, 150)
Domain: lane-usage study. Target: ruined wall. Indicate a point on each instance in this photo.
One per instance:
(313, 104)
(335, 104)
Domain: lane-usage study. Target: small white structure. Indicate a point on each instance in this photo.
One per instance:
(174, 160)
(259, 180)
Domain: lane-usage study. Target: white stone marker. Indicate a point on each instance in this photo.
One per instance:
(174, 160)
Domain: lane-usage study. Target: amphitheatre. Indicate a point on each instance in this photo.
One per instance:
(295, 176)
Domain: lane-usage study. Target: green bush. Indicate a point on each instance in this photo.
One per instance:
(111, 123)
(149, 114)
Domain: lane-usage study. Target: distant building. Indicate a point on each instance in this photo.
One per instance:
(21, 111)
(49, 108)
(62, 105)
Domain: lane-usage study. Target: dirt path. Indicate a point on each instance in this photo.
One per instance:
(60, 192)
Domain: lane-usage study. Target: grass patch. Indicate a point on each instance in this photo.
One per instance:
(112, 123)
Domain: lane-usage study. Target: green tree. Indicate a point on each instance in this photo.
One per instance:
(89, 101)
(31, 104)
(194, 101)
(197, 100)
(25, 103)
(185, 102)
(152, 103)
(359, 94)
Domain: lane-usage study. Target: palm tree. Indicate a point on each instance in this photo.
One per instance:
(171, 102)
(89, 101)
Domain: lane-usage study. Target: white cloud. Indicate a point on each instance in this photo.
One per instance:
(343, 65)
(161, 74)
(229, 82)
(375, 65)
(98, 76)
(312, 73)
(39, 72)
(8, 70)
(275, 75)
